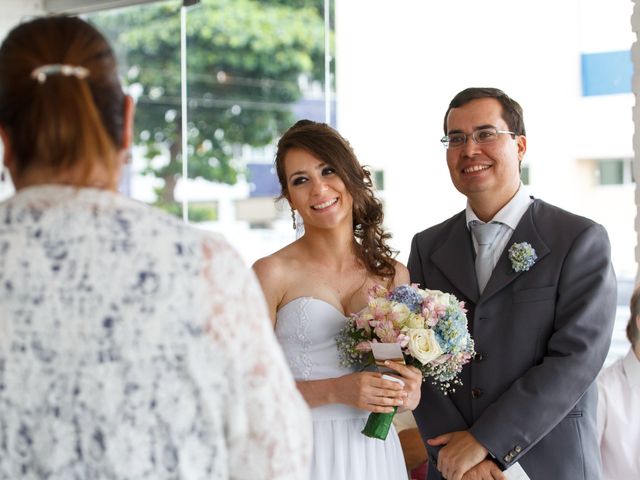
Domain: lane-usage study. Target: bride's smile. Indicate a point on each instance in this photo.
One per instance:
(316, 190)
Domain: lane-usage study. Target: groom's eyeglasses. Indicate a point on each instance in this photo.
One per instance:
(481, 136)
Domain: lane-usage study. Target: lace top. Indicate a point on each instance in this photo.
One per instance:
(133, 346)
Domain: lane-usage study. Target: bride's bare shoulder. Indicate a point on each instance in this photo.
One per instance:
(402, 275)
(278, 266)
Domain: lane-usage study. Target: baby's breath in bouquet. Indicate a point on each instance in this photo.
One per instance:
(429, 325)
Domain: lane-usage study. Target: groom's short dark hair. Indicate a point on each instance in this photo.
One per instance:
(511, 110)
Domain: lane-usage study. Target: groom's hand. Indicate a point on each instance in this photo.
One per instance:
(461, 452)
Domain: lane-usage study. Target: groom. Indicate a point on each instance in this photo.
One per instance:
(541, 320)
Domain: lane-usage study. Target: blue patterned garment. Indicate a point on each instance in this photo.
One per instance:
(135, 347)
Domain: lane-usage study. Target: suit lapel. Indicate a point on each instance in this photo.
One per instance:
(503, 273)
(455, 259)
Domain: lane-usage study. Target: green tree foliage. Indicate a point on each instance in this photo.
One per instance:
(245, 59)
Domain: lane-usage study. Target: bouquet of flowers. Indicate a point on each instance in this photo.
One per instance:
(429, 325)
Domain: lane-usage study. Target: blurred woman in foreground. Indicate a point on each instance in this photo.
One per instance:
(131, 345)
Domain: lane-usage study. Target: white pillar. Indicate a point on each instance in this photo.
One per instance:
(15, 11)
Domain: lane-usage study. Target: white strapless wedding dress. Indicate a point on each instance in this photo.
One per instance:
(306, 329)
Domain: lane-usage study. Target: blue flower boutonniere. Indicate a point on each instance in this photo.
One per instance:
(522, 256)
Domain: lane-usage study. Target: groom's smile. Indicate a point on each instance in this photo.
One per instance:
(476, 168)
(484, 171)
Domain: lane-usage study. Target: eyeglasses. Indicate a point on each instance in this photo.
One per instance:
(480, 136)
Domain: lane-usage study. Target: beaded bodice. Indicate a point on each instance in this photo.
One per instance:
(306, 328)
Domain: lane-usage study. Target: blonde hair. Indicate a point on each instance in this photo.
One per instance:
(61, 121)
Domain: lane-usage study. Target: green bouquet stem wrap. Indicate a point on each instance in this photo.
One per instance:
(378, 424)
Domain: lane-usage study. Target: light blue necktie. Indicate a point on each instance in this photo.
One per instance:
(485, 234)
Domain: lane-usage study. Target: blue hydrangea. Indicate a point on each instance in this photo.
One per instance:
(408, 296)
(451, 331)
(522, 256)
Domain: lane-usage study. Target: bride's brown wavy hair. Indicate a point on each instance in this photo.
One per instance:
(326, 144)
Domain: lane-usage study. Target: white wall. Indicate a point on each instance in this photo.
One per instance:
(399, 63)
(13, 11)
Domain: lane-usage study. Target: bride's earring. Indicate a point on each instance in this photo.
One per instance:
(293, 217)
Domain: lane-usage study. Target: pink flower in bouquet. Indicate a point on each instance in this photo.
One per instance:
(429, 313)
(378, 291)
(363, 322)
(403, 340)
(379, 308)
(364, 347)
(385, 332)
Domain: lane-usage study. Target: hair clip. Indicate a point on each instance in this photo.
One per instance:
(40, 73)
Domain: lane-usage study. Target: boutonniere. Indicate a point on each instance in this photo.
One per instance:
(522, 256)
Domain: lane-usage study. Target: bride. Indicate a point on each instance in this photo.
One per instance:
(312, 284)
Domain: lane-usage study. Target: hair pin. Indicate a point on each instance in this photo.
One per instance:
(40, 73)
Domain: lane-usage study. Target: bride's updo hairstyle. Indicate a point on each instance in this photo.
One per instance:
(326, 144)
(61, 103)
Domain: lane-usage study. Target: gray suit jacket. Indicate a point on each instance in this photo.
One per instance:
(541, 337)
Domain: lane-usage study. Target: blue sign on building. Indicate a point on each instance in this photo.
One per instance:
(263, 180)
(606, 73)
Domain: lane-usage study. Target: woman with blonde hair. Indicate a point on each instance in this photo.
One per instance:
(131, 345)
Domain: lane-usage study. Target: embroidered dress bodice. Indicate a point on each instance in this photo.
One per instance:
(306, 328)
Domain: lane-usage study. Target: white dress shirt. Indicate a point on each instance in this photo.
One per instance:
(619, 418)
(509, 217)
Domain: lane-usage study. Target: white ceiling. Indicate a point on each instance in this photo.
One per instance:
(84, 6)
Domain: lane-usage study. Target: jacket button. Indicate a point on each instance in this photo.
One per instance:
(507, 458)
(476, 393)
(518, 448)
(479, 357)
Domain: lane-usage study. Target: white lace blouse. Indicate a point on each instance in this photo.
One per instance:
(135, 347)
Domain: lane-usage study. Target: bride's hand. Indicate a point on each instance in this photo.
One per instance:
(369, 391)
(412, 378)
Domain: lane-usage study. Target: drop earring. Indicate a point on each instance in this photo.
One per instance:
(293, 217)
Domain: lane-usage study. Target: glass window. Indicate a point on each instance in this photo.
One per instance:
(524, 175)
(614, 171)
(378, 179)
(253, 68)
